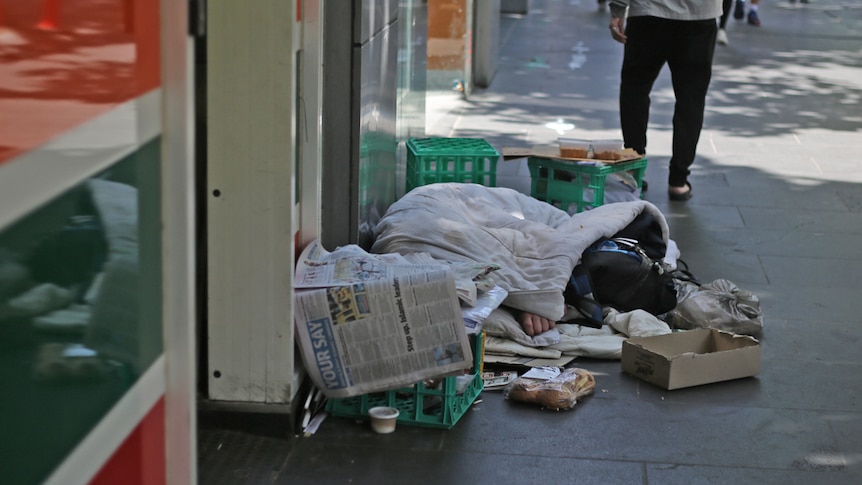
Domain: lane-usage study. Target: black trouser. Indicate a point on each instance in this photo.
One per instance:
(687, 48)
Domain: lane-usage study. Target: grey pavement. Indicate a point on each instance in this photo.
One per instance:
(777, 209)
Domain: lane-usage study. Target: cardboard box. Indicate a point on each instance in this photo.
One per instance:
(691, 358)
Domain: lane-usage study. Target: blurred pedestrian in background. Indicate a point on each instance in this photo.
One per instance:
(753, 17)
(681, 34)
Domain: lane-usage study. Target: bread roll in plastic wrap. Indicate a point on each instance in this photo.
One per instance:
(561, 392)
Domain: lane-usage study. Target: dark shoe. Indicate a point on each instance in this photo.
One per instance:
(753, 19)
(739, 10)
(681, 196)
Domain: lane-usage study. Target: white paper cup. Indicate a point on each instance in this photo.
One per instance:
(383, 419)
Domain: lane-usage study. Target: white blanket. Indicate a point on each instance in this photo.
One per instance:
(536, 244)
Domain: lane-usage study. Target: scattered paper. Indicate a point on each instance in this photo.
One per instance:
(542, 373)
(315, 424)
(498, 380)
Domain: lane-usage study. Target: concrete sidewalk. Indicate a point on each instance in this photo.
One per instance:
(777, 209)
(779, 149)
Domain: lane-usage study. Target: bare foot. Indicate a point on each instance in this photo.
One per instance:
(534, 324)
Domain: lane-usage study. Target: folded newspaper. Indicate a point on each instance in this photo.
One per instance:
(374, 322)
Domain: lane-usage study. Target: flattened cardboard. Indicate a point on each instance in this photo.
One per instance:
(523, 361)
(541, 151)
(691, 358)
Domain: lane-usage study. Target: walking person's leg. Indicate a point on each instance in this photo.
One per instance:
(691, 72)
(643, 59)
(753, 16)
(739, 10)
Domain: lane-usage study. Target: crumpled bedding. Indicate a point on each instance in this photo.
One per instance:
(505, 336)
(537, 246)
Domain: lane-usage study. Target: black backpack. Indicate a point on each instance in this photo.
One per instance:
(618, 273)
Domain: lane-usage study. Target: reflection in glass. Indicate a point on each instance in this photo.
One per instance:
(80, 274)
(79, 311)
(63, 62)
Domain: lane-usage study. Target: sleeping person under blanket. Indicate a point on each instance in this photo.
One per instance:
(536, 244)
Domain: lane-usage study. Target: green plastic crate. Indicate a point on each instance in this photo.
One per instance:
(565, 183)
(466, 160)
(418, 405)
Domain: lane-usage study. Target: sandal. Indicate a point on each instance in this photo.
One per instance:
(682, 196)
